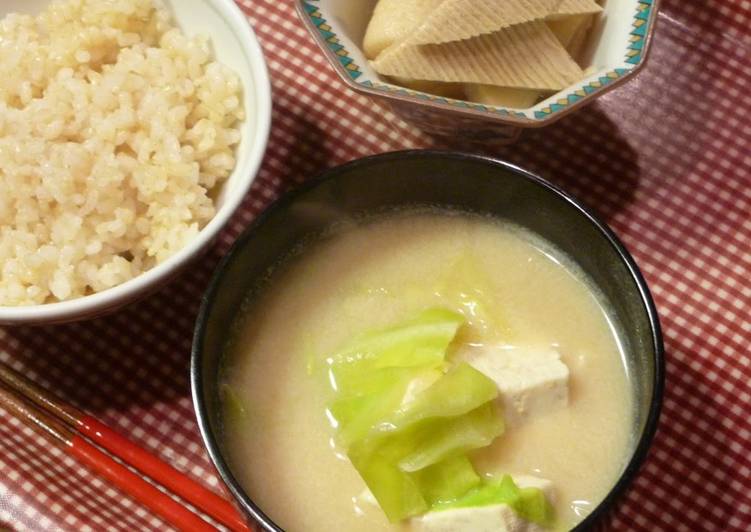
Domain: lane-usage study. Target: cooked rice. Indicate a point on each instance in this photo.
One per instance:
(114, 129)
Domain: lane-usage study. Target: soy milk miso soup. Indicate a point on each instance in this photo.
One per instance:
(426, 371)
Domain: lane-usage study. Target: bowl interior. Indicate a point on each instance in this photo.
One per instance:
(615, 48)
(234, 45)
(602, 49)
(455, 181)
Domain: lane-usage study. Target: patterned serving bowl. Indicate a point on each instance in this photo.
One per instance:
(616, 50)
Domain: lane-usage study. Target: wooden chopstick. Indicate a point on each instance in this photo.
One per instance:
(127, 451)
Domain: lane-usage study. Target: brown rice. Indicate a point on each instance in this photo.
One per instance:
(114, 129)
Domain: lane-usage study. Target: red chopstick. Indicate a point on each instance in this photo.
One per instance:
(160, 503)
(119, 475)
(127, 451)
(165, 474)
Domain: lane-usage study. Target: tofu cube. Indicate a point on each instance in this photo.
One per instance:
(494, 518)
(542, 484)
(532, 382)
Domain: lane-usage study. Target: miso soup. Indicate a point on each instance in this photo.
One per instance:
(525, 320)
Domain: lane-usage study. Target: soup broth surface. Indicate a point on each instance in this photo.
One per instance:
(514, 289)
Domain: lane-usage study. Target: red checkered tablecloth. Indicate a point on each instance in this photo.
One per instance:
(666, 160)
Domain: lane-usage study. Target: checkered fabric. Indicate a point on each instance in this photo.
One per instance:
(666, 160)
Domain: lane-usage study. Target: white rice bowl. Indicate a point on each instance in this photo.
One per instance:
(115, 130)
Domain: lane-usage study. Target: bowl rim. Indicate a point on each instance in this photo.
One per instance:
(211, 440)
(510, 117)
(111, 298)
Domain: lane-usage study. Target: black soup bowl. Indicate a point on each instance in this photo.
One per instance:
(448, 180)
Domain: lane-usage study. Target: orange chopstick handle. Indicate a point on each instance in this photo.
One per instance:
(122, 477)
(163, 473)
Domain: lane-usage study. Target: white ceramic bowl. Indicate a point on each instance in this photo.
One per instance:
(235, 45)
